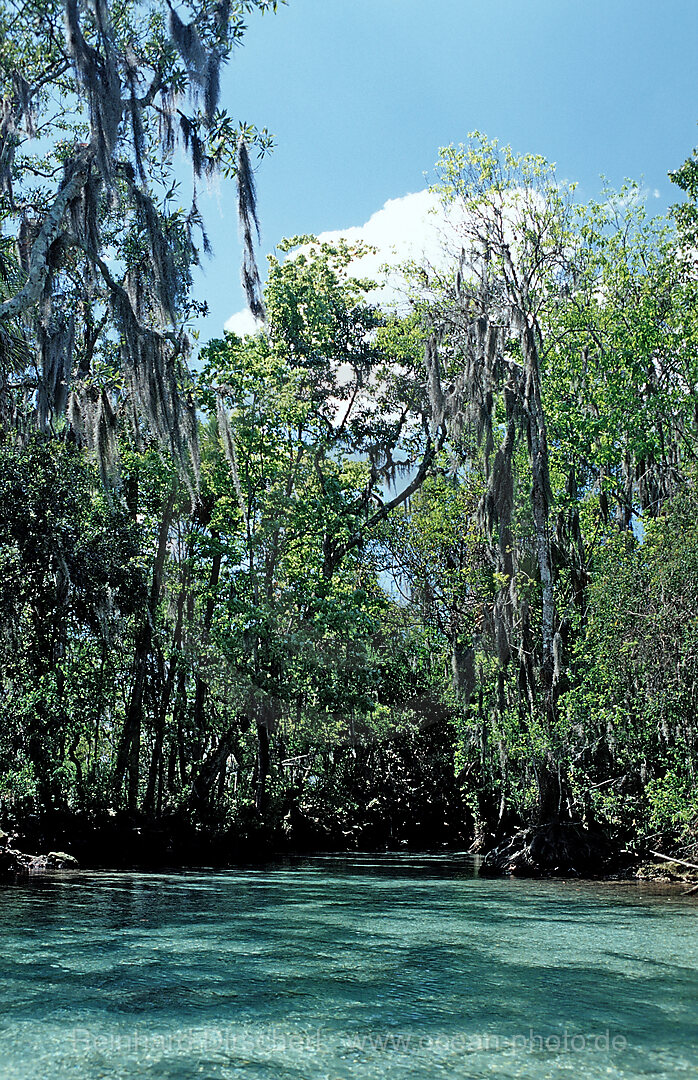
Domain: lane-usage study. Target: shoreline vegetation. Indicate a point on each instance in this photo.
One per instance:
(416, 577)
(558, 852)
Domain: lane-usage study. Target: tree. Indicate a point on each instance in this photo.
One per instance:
(95, 295)
(620, 381)
(359, 372)
(633, 745)
(513, 224)
(73, 587)
(438, 561)
(562, 362)
(311, 421)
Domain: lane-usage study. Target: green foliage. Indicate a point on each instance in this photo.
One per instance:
(72, 580)
(383, 621)
(686, 213)
(295, 409)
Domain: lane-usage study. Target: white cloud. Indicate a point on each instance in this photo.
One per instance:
(243, 323)
(412, 228)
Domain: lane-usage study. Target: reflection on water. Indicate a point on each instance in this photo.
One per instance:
(325, 968)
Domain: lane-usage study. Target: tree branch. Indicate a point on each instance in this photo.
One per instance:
(38, 263)
(427, 461)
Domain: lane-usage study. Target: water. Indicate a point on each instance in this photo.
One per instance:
(328, 968)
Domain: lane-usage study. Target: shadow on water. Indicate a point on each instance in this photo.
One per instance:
(395, 966)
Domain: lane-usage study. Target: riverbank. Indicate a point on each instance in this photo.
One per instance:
(567, 849)
(555, 851)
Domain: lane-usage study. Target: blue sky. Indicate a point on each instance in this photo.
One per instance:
(360, 95)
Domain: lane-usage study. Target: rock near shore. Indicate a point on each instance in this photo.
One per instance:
(13, 862)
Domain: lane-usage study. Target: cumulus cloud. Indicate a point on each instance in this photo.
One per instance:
(413, 228)
(243, 323)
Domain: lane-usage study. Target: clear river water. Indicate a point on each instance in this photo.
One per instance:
(369, 967)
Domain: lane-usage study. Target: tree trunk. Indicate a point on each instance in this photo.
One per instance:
(540, 494)
(548, 776)
(211, 770)
(128, 757)
(200, 684)
(262, 767)
(156, 762)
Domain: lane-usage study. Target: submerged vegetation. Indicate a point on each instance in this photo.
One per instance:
(362, 579)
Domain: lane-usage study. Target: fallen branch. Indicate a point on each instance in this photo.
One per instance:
(680, 862)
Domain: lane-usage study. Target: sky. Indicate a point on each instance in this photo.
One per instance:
(360, 95)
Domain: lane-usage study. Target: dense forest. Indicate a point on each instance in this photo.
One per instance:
(367, 579)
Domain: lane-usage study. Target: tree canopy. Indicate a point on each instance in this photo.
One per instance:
(362, 577)
(95, 277)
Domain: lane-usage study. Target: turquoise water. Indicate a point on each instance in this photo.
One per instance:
(327, 968)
